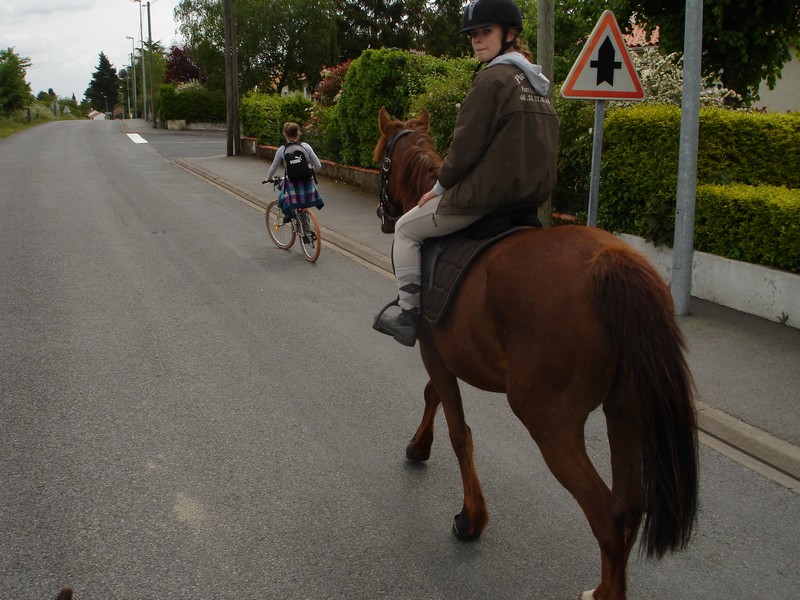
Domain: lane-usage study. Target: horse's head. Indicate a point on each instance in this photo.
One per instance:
(408, 163)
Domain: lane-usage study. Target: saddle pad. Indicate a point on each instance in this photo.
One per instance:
(444, 262)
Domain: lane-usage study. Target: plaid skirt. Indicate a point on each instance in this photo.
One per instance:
(298, 195)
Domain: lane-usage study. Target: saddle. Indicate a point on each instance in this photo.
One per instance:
(446, 259)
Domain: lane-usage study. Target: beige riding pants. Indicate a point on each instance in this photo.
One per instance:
(410, 231)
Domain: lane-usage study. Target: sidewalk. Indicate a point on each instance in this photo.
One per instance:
(747, 369)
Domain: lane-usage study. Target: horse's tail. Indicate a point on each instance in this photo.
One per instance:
(638, 311)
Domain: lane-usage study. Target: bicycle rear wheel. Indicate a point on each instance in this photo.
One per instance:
(279, 232)
(310, 236)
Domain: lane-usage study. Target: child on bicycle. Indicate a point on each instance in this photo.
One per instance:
(300, 163)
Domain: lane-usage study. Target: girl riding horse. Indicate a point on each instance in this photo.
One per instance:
(503, 152)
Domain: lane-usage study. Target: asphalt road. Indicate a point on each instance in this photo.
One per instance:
(189, 412)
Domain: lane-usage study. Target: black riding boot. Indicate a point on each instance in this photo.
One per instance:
(402, 327)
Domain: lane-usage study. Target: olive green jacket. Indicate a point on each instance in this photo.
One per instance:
(505, 144)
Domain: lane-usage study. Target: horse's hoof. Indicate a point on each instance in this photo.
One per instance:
(415, 454)
(461, 529)
(587, 595)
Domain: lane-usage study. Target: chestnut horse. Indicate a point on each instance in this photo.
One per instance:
(562, 320)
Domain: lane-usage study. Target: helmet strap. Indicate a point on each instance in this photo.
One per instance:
(504, 43)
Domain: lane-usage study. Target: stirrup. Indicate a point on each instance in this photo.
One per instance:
(395, 302)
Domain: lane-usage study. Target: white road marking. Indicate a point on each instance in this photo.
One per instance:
(136, 138)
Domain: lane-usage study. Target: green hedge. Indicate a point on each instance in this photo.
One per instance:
(758, 225)
(192, 103)
(640, 161)
(442, 97)
(377, 78)
(263, 115)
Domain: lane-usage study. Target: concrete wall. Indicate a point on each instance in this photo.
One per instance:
(748, 288)
(181, 124)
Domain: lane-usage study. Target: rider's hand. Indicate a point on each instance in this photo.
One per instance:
(425, 197)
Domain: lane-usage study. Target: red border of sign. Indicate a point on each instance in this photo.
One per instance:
(607, 20)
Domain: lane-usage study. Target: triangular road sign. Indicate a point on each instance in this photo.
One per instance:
(604, 70)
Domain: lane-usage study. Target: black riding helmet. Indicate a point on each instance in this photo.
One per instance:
(482, 13)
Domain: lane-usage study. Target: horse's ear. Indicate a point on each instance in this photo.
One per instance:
(383, 120)
(424, 118)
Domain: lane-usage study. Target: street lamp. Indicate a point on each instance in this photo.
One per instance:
(133, 62)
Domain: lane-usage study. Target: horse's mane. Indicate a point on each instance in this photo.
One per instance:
(415, 162)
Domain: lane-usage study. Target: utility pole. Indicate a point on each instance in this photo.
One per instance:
(144, 71)
(153, 94)
(545, 57)
(231, 78)
(133, 63)
(683, 243)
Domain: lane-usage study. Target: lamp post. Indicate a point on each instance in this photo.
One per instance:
(133, 63)
(144, 70)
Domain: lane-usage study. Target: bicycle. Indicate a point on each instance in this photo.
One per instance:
(302, 224)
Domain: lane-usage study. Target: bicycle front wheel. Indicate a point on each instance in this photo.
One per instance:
(310, 236)
(279, 232)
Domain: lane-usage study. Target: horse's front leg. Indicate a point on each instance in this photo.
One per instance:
(470, 522)
(419, 448)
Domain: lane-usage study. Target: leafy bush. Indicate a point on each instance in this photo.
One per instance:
(263, 115)
(753, 224)
(442, 97)
(193, 103)
(323, 132)
(575, 137)
(378, 78)
(327, 91)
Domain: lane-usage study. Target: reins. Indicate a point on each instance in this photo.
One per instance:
(386, 165)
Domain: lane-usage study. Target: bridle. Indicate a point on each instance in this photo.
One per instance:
(386, 164)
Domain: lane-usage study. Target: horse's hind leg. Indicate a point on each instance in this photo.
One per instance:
(622, 423)
(419, 448)
(563, 448)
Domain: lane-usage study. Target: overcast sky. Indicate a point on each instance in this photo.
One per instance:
(64, 39)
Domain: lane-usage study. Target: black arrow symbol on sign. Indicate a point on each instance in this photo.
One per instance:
(605, 63)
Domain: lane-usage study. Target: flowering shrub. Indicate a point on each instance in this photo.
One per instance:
(662, 79)
(328, 89)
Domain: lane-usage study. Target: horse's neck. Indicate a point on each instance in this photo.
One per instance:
(420, 181)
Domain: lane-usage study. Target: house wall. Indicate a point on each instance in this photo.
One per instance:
(786, 95)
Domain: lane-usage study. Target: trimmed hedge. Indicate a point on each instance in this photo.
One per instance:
(192, 103)
(758, 225)
(263, 115)
(640, 161)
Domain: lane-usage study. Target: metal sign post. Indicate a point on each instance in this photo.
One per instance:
(597, 147)
(603, 71)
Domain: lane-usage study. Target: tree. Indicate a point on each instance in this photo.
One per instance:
(15, 93)
(280, 42)
(180, 68)
(378, 24)
(103, 91)
(744, 41)
(440, 35)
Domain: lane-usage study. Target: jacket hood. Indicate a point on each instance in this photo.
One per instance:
(539, 82)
